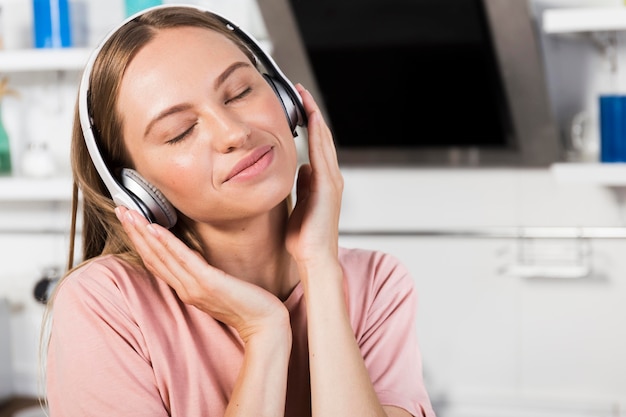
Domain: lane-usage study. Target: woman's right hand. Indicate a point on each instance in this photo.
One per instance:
(246, 307)
(259, 317)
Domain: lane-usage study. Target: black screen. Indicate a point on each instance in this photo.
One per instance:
(406, 73)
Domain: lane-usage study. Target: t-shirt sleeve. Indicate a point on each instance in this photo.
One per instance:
(97, 363)
(387, 334)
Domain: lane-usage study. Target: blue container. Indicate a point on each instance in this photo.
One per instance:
(613, 128)
(51, 20)
(135, 6)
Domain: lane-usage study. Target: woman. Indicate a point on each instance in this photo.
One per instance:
(246, 306)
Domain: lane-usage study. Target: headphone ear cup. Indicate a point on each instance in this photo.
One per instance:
(149, 198)
(291, 111)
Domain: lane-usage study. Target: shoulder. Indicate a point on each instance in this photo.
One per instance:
(380, 296)
(105, 279)
(376, 264)
(108, 299)
(107, 270)
(372, 273)
(107, 264)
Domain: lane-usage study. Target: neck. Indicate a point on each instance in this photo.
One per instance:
(253, 250)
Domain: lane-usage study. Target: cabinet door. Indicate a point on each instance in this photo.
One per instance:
(573, 332)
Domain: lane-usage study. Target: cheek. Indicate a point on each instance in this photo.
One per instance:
(180, 169)
(176, 176)
(271, 110)
(186, 190)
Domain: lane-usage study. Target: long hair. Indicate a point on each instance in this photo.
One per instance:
(101, 231)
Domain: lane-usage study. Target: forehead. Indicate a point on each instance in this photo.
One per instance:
(176, 66)
(176, 55)
(188, 44)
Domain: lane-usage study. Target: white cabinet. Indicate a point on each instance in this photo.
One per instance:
(601, 25)
(16, 189)
(31, 60)
(498, 345)
(584, 19)
(609, 174)
(36, 68)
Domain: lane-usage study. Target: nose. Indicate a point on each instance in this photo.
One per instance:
(229, 131)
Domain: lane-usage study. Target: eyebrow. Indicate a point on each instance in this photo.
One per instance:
(186, 106)
(167, 112)
(228, 71)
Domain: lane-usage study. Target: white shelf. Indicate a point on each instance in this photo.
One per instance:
(16, 189)
(44, 59)
(606, 174)
(59, 59)
(584, 19)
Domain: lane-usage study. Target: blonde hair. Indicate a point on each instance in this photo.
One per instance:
(101, 232)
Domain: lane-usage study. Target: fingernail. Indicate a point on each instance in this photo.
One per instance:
(152, 229)
(118, 213)
(129, 217)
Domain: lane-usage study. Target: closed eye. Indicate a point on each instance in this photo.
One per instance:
(243, 94)
(182, 136)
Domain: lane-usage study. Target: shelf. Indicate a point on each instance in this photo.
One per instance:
(28, 60)
(59, 59)
(17, 189)
(584, 19)
(607, 174)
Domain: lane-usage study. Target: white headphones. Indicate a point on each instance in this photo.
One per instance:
(132, 190)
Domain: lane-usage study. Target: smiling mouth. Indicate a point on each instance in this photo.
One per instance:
(251, 164)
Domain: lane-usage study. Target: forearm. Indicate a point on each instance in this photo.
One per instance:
(262, 382)
(340, 383)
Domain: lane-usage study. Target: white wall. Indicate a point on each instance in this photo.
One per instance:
(493, 344)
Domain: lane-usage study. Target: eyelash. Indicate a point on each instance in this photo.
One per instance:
(182, 136)
(244, 93)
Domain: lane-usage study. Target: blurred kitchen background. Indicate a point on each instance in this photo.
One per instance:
(469, 140)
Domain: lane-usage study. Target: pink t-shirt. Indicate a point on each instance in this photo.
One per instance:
(123, 344)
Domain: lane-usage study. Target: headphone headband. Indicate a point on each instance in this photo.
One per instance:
(157, 208)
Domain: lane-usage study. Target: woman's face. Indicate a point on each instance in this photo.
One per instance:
(205, 128)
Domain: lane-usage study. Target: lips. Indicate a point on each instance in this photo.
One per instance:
(251, 164)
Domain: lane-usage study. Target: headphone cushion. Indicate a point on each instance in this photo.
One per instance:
(154, 201)
(291, 111)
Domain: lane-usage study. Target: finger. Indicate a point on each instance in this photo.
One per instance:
(316, 120)
(322, 150)
(162, 253)
(146, 245)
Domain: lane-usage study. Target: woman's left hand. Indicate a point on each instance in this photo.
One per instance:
(313, 229)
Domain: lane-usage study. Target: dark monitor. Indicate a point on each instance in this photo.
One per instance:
(430, 81)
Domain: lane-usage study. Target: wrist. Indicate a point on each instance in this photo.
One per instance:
(274, 333)
(323, 274)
